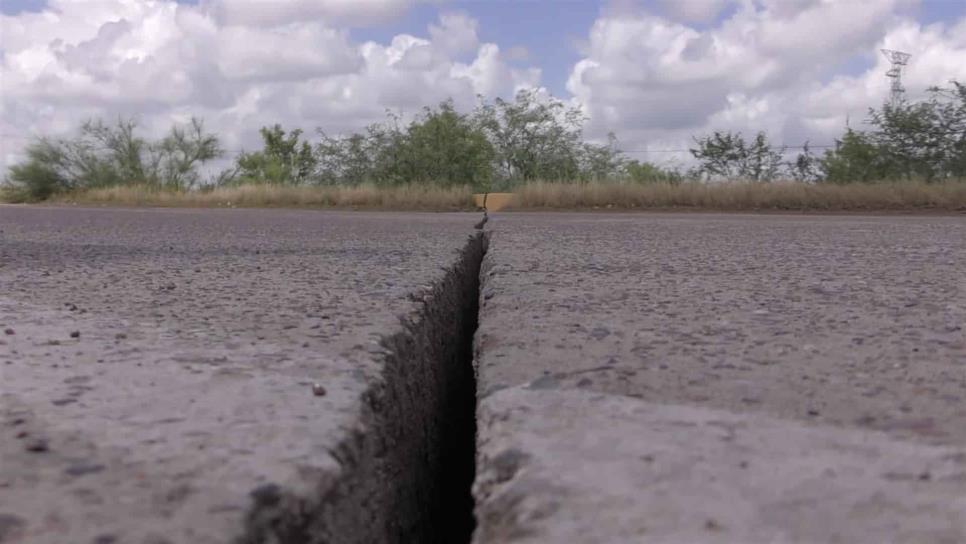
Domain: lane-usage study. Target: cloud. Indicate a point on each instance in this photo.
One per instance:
(490, 75)
(654, 80)
(303, 52)
(455, 34)
(693, 11)
(164, 62)
(281, 12)
(771, 65)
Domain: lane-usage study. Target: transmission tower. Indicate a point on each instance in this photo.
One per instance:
(898, 60)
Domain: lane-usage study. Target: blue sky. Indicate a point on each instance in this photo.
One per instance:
(550, 31)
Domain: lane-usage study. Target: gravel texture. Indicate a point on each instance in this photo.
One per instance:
(844, 334)
(249, 376)
(159, 371)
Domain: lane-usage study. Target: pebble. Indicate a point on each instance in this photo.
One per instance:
(599, 333)
(8, 332)
(267, 494)
(37, 445)
(544, 382)
(75, 334)
(318, 390)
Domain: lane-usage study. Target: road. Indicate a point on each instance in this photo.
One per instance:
(158, 372)
(722, 378)
(248, 375)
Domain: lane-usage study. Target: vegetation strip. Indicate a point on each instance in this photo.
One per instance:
(793, 197)
(501, 146)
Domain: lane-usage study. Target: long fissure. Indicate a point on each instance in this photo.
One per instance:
(407, 471)
(450, 518)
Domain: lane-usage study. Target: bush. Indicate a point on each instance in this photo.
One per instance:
(645, 172)
(35, 181)
(102, 155)
(281, 161)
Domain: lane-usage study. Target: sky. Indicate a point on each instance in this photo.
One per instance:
(655, 73)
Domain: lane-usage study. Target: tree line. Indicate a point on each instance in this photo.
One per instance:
(921, 140)
(498, 145)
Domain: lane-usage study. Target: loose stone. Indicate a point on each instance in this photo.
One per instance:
(37, 445)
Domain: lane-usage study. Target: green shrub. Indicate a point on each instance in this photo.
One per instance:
(34, 181)
(102, 155)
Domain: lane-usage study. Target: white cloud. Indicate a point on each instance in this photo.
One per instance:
(302, 52)
(455, 34)
(654, 80)
(165, 62)
(770, 65)
(490, 75)
(693, 11)
(280, 12)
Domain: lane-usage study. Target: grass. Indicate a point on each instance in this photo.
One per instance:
(945, 197)
(744, 196)
(407, 197)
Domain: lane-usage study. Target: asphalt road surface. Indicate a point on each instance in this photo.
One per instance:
(248, 375)
(722, 378)
(158, 369)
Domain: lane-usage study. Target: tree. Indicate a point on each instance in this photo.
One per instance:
(726, 155)
(446, 148)
(600, 162)
(175, 160)
(103, 155)
(856, 159)
(806, 167)
(534, 138)
(343, 161)
(925, 139)
(282, 160)
(37, 178)
(500, 144)
(122, 153)
(371, 157)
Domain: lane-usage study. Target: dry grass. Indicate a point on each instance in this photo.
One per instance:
(745, 196)
(408, 197)
(947, 197)
(9, 194)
